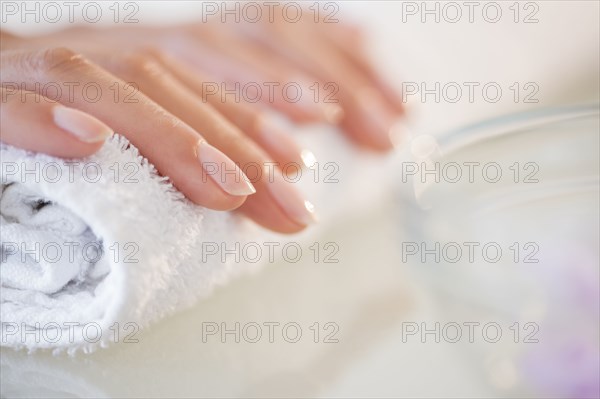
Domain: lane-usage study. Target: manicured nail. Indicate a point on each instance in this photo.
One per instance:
(223, 170)
(277, 141)
(399, 133)
(424, 146)
(289, 199)
(308, 158)
(316, 107)
(80, 124)
(333, 113)
(381, 119)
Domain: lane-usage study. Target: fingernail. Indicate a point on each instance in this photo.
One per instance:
(223, 170)
(289, 199)
(399, 133)
(311, 102)
(333, 113)
(80, 124)
(306, 99)
(382, 120)
(308, 158)
(424, 147)
(281, 143)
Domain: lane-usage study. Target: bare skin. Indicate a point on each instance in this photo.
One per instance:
(171, 106)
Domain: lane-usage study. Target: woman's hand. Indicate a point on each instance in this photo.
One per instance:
(171, 107)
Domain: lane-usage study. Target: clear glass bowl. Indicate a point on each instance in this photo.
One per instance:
(510, 207)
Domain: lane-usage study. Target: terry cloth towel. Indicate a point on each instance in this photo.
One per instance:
(90, 243)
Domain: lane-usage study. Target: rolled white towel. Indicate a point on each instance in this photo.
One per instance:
(106, 243)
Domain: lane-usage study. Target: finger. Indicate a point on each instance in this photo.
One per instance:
(256, 74)
(33, 122)
(250, 119)
(276, 205)
(7, 40)
(348, 41)
(173, 147)
(368, 118)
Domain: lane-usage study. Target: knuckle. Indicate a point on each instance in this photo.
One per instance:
(141, 64)
(11, 105)
(58, 60)
(152, 53)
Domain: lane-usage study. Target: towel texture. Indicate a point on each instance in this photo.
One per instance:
(90, 243)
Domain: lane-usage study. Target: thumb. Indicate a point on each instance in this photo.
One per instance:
(36, 123)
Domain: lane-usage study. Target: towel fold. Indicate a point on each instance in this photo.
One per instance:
(98, 248)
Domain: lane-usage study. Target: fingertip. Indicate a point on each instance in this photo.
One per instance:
(282, 225)
(81, 125)
(333, 113)
(290, 228)
(229, 204)
(77, 150)
(209, 195)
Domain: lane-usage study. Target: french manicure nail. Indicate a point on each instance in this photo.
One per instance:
(308, 103)
(80, 124)
(323, 108)
(281, 143)
(333, 113)
(308, 158)
(223, 170)
(399, 133)
(382, 120)
(289, 199)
